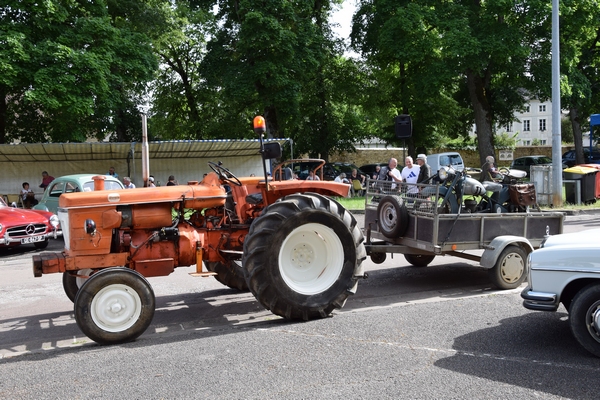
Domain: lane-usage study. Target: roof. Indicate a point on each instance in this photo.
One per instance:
(115, 151)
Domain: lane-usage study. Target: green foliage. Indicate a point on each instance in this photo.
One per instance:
(71, 70)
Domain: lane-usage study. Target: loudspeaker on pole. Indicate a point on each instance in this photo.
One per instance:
(403, 126)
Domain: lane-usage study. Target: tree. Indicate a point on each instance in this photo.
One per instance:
(70, 70)
(580, 88)
(483, 50)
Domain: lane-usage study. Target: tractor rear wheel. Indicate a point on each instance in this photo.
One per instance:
(303, 256)
(229, 274)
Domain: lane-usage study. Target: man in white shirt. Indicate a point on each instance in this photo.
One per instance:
(410, 174)
(390, 173)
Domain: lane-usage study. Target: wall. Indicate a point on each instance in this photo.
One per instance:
(471, 157)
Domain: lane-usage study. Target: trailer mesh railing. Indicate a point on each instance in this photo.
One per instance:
(418, 198)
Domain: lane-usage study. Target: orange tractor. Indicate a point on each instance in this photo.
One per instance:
(298, 251)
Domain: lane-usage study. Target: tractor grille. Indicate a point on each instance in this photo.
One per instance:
(26, 230)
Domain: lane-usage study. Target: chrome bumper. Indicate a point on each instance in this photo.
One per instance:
(539, 301)
(7, 240)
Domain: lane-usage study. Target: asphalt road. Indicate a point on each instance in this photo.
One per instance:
(436, 332)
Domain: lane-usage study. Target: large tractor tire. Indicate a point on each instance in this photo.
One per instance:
(303, 256)
(115, 305)
(229, 274)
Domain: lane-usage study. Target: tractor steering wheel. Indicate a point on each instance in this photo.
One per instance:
(224, 174)
(504, 171)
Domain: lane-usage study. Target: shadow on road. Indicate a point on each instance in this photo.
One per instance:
(225, 310)
(517, 352)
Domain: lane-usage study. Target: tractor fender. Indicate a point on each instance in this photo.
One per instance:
(493, 250)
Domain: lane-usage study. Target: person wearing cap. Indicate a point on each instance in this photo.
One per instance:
(151, 181)
(425, 169)
(488, 170)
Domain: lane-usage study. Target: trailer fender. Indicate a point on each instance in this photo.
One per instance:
(492, 252)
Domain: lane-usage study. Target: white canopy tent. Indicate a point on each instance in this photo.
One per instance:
(187, 160)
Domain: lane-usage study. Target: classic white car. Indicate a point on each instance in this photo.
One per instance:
(566, 269)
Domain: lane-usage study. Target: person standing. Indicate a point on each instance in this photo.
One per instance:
(127, 183)
(151, 181)
(410, 174)
(488, 170)
(111, 172)
(46, 180)
(390, 173)
(424, 169)
(171, 181)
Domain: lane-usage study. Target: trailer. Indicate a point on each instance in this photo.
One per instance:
(408, 219)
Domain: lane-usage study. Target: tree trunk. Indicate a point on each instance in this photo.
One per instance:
(483, 118)
(577, 137)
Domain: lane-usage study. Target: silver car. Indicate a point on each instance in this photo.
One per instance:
(566, 269)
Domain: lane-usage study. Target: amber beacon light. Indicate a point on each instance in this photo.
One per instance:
(259, 125)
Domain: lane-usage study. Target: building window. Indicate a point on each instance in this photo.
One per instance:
(526, 125)
(527, 108)
(509, 127)
(542, 142)
(526, 142)
(542, 108)
(542, 125)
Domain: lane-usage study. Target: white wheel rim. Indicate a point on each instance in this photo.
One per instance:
(512, 268)
(311, 259)
(116, 308)
(85, 274)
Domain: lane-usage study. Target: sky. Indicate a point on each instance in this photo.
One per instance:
(343, 17)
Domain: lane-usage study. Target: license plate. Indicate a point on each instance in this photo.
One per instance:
(32, 239)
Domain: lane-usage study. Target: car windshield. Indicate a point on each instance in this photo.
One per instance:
(2, 203)
(108, 185)
(543, 160)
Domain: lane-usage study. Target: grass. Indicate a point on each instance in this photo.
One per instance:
(358, 203)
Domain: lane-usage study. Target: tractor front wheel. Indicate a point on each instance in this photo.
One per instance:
(115, 305)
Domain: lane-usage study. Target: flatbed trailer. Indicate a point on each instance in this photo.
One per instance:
(414, 225)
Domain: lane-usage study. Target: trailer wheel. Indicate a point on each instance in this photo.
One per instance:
(303, 256)
(419, 260)
(584, 318)
(392, 217)
(378, 258)
(509, 270)
(115, 305)
(72, 282)
(229, 274)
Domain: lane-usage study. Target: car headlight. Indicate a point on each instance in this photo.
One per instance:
(54, 221)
